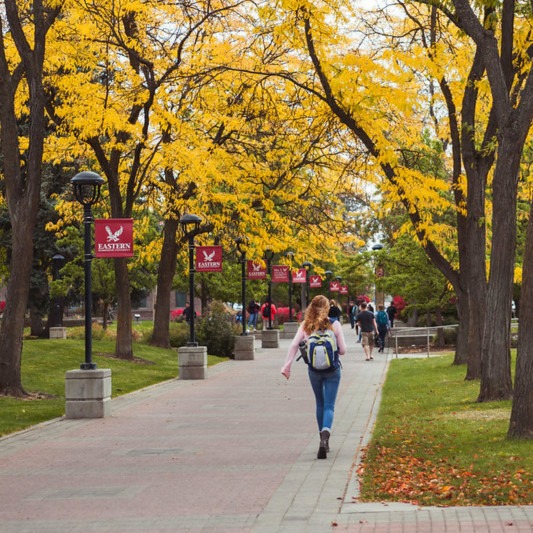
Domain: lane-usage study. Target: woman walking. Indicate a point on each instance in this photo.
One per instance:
(325, 383)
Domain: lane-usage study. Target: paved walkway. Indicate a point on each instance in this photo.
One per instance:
(234, 452)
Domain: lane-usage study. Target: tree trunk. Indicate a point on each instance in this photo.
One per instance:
(461, 343)
(521, 423)
(496, 381)
(36, 322)
(165, 275)
(472, 243)
(105, 315)
(124, 345)
(22, 178)
(441, 341)
(476, 313)
(12, 329)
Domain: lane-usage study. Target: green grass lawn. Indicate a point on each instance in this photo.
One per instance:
(45, 362)
(433, 444)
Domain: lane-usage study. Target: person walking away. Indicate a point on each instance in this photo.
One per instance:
(253, 310)
(268, 312)
(382, 321)
(356, 311)
(391, 313)
(325, 383)
(367, 326)
(334, 312)
(351, 313)
(187, 312)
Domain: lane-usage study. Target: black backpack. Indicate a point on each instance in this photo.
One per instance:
(266, 311)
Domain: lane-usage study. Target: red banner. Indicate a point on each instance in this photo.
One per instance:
(334, 286)
(343, 289)
(280, 274)
(209, 259)
(298, 276)
(315, 282)
(113, 237)
(256, 270)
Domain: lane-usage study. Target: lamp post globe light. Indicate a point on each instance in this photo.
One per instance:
(190, 224)
(87, 191)
(241, 244)
(290, 255)
(269, 255)
(308, 266)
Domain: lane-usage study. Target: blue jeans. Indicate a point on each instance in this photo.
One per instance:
(252, 320)
(325, 386)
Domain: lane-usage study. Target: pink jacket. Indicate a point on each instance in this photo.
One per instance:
(300, 336)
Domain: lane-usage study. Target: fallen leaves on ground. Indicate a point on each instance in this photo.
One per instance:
(399, 475)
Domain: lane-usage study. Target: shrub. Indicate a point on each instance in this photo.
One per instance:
(282, 315)
(98, 333)
(217, 331)
(450, 337)
(178, 334)
(101, 334)
(176, 315)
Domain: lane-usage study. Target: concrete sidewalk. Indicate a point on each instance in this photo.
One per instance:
(234, 452)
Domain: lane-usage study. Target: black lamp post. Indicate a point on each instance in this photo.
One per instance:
(269, 255)
(87, 191)
(375, 249)
(57, 306)
(241, 243)
(338, 279)
(190, 224)
(328, 274)
(308, 266)
(290, 255)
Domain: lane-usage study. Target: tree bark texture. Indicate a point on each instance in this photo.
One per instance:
(124, 344)
(521, 423)
(11, 333)
(496, 360)
(22, 179)
(461, 343)
(165, 276)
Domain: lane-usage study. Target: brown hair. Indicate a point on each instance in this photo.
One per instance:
(316, 315)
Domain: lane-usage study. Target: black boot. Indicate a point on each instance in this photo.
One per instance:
(323, 449)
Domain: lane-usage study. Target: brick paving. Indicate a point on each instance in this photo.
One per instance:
(234, 452)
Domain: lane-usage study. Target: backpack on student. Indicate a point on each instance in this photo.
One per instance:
(382, 318)
(266, 311)
(322, 352)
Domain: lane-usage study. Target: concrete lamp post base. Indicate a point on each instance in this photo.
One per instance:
(270, 338)
(289, 330)
(244, 347)
(57, 333)
(192, 362)
(88, 393)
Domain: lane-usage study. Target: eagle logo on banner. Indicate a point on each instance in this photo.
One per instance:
(113, 237)
(255, 270)
(209, 256)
